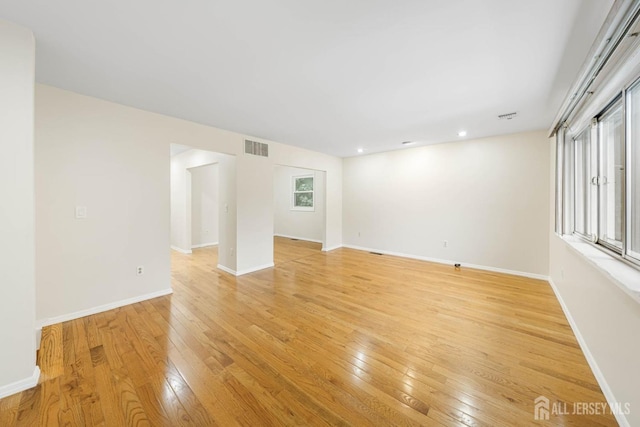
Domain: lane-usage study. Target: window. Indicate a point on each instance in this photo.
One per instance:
(559, 183)
(582, 182)
(633, 162)
(567, 185)
(610, 179)
(303, 193)
(598, 178)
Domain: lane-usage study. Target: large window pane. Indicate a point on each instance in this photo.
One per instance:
(568, 186)
(582, 183)
(633, 107)
(611, 179)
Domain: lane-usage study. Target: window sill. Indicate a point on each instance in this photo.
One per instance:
(626, 277)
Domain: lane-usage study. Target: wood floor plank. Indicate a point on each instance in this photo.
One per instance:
(50, 355)
(9, 409)
(30, 406)
(50, 402)
(339, 338)
(153, 409)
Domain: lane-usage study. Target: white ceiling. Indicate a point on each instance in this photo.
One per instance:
(329, 75)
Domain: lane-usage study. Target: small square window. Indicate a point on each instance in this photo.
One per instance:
(302, 196)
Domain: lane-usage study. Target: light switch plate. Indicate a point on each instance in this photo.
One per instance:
(81, 212)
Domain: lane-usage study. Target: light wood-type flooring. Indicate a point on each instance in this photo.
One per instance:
(339, 338)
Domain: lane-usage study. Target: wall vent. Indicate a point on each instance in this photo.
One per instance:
(256, 148)
(508, 116)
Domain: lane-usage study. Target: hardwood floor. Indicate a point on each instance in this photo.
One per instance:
(339, 338)
(286, 250)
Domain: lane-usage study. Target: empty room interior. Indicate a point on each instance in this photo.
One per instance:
(320, 213)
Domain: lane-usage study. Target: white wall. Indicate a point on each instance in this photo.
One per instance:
(204, 205)
(115, 160)
(17, 252)
(305, 225)
(228, 213)
(93, 154)
(488, 198)
(607, 319)
(183, 166)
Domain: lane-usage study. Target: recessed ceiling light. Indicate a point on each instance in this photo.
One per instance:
(462, 133)
(360, 150)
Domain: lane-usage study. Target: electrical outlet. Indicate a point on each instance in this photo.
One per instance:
(140, 270)
(446, 243)
(358, 234)
(81, 212)
(231, 251)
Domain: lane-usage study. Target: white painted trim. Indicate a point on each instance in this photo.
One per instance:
(21, 385)
(246, 271)
(297, 238)
(332, 248)
(253, 269)
(182, 251)
(602, 381)
(204, 245)
(38, 338)
(99, 309)
(445, 261)
(226, 269)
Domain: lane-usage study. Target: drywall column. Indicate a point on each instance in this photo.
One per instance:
(255, 214)
(18, 368)
(227, 212)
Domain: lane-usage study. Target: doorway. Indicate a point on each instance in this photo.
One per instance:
(203, 205)
(299, 213)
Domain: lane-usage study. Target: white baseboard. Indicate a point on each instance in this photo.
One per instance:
(182, 251)
(450, 262)
(297, 238)
(101, 308)
(246, 271)
(203, 245)
(21, 385)
(606, 390)
(226, 269)
(332, 248)
(253, 269)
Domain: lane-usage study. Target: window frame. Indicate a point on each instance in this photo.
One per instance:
(627, 254)
(566, 181)
(559, 184)
(294, 192)
(620, 101)
(588, 220)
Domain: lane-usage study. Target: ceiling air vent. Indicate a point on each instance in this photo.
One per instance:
(508, 116)
(256, 148)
